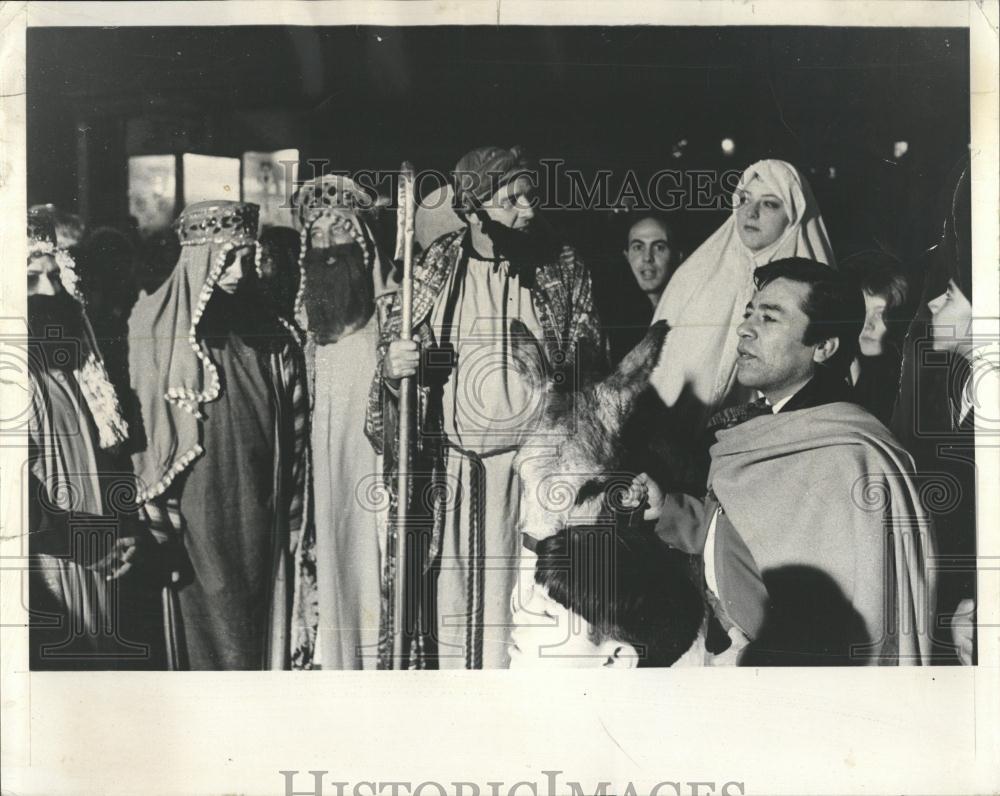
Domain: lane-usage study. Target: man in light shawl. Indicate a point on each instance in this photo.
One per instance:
(815, 545)
(83, 530)
(343, 279)
(218, 377)
(774, 216)
(474, 404)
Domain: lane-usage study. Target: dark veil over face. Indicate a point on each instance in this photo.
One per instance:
(55, 331)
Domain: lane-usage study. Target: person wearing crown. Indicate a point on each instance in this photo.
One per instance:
(219, 380)
(343, 278)
(496, 266)
(75, 493)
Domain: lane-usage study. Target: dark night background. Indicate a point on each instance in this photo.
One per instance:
(616, 98)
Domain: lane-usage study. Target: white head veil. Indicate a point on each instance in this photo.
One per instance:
(704, 301)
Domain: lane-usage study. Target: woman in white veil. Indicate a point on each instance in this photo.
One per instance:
(775, 215)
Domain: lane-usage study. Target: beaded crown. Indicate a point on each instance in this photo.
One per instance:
(41, 229)
(329, 191)
(218, 221)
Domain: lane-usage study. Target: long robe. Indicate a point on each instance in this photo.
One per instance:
(560, 302)
(348, 557)
(485, 404)
(79, 620)
(238, 549)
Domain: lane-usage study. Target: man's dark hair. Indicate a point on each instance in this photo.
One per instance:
(628, 585)
(660, 218)
(835, 305)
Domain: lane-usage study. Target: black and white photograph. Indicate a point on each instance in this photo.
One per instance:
(351, 347)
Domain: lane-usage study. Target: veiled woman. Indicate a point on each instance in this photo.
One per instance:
(775, 215)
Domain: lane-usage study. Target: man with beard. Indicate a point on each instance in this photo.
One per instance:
(217, 375)
(343, 276)
(475, 404)
(83, 536)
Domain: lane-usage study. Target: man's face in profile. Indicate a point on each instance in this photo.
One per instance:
(772, 356)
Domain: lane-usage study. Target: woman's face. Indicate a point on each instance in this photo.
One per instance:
(951, 316)
(874, 329)
(761, 217)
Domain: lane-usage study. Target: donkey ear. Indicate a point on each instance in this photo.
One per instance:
(631, 377)
(528, 354)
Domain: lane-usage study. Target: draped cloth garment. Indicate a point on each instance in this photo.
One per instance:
(347, 525)
(221, 468)
(829, 490)
(704, 301)
(485, 404)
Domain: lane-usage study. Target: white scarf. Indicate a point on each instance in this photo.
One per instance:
(704, 301)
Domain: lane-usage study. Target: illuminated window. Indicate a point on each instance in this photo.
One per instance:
(267, 179)
(209, 177)
(152, 187)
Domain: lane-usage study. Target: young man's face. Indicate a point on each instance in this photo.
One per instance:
(547, 634)
(772, 356)
(649, 254)
(874, 329)
(951, 316)
(512, 205)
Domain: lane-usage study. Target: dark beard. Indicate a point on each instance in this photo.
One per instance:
(338, 296)
(55, 332)
(526, 250)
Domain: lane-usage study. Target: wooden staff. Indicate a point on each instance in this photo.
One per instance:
(397, 540)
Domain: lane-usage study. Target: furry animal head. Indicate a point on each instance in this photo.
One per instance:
(569, 461)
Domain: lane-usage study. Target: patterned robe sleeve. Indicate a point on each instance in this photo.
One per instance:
(298, 505)
(382, 408)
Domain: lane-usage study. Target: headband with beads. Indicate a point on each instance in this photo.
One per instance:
(323, 197)
(229, 225)
(42, 240)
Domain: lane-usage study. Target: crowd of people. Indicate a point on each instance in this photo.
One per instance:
(764, 467)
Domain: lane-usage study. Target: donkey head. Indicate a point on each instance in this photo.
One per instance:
(569, 460)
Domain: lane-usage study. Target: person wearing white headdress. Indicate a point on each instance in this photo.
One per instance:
(775, 216)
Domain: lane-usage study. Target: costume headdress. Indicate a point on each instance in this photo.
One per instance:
(91, 375)
(42, 240)
(335, 196)
(172, 372)
(482, 172)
